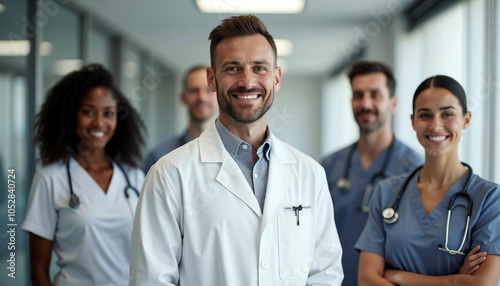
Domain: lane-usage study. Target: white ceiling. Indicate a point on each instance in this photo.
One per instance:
(177, 31)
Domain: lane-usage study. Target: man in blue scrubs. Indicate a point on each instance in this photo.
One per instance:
(201, 104)
(377, 154)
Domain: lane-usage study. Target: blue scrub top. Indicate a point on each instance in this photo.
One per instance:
(349, 217)
(411, 244)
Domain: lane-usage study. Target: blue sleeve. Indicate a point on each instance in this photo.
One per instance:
(487, 230)
(372, 238)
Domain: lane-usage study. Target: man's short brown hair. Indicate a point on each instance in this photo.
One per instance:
(365, 67)
(244, 25)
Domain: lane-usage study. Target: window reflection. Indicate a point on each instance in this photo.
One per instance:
(14, 48)
(62, 31)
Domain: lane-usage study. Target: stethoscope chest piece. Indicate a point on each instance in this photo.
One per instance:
(343, 184)
(390, 215)
(74, 201)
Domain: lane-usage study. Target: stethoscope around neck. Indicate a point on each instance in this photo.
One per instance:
(74, 200)
(391, 215)
(344, 185)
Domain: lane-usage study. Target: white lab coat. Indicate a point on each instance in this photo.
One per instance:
(199, 223)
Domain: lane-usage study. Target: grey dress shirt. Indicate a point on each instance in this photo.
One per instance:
(241, 151)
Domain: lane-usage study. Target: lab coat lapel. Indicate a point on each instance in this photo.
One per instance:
(279, 179)
(230, 176)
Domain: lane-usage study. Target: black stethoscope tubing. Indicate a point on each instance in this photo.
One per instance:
(74, 200)
(344, 185)
(390, 214)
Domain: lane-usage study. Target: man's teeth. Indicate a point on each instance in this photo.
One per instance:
(437, 138)
(254, 96)
(97, 133)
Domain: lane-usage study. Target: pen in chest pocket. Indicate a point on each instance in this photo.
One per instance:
(297, 210)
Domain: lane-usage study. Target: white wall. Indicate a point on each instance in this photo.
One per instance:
(296, 114)
(339, 128)
(382, 45)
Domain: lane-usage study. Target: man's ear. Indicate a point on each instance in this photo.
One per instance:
(182, 97)
(394, 104)
(277, 79)
(211, 79)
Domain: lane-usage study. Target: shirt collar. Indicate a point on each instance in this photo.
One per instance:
(232, 142)
(266, 146)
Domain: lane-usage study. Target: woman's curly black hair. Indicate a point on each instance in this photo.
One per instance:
(55, 124)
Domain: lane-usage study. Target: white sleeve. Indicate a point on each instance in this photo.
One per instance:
(157, 235)
(326, 266)
(138, 176)
(41, 217)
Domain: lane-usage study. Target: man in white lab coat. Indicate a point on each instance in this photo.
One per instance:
(237, 206)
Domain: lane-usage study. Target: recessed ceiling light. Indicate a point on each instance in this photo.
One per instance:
(130, 69)
(63, 67)
(251, 6)
(2, 8)
(22, 48)
(284, 47)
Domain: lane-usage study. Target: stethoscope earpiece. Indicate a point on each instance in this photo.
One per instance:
(390, 215)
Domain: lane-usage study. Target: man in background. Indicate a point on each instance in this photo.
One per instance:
(353, 171)
(201, 104)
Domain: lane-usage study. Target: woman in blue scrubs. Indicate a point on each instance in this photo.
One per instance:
(415, 249)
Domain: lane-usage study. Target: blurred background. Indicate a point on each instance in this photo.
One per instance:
(149, 44)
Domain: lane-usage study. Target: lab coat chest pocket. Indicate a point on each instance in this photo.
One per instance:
(295, 246)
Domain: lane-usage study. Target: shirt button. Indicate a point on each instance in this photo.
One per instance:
(244, 147)
(255, 176)
(264, 264)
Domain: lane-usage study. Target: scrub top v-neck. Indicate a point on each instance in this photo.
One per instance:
(92, 241)
(411, 244)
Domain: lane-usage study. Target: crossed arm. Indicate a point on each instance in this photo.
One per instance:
(476, 270)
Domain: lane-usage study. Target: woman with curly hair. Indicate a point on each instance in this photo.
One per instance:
(82, 201)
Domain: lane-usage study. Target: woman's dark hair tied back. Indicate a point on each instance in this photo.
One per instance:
(445, 82)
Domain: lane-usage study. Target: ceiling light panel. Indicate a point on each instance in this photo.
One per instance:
(284, 47)
(251, 6)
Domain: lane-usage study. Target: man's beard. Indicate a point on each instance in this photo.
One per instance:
(226, 106)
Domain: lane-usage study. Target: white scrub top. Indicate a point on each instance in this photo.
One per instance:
(92, 242)
(411, 244)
